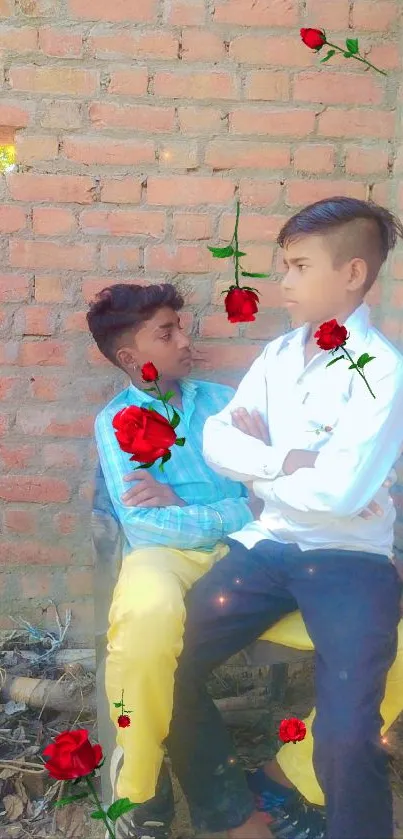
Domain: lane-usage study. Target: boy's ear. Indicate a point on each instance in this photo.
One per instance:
(358, 274)
(126, 358)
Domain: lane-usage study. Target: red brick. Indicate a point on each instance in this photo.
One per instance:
(221, 155)
(18, 40)
(66, 523)
(129, 82)
(35, 320)
(267, 85)
(215, 85)
(5, 421)
(123, 222)
(61, 114)
(267, 326)
(186, 12)
(54, 422)
(121, 190)
(45, 388)
(360, 123)
(80, 581)
(386, 56)
(29, 254)
(397, 267)
(6, 8)
(48, 289)
(9, 386)
(338, 88)
(12, 218)
(60, 188)
(153, 44)
(36, 584)
(374, 16)
(198, 121)
(34, 489)
(47, 353)
(50, 221)
(93, 285)
(179, 155)
(192, 226)
(62, 455)
(8, 352)
(119, 258)
(183, 259)
(20, 521)
(258, 258)
(314, 158)
(7, 136)
(16, 457)
(256, 12)
(61, 43)
(277, 51)
(39, 147)
(146, 118)
(202, 45)
(95, 357)
(218, 356)
(25, 554)
(218, 326)
(120, 10)
(108, 151)
(294, 123)
(306, 192)
(252, 228)
(327, 14)
(259, 193)
(39, 8)
(189, 191)
(14, 115)
(361, 161)
(381, 193)
(75, 322)
(71, 80)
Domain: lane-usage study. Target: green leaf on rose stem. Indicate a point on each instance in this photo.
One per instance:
(144, 466)
(149, 389)
(168, 395)
(256, 276)
(352, 367)
(180, 441)
(249, 288)
(330, 54)
(165, 459)
(334, 360)
(98, 814)
(240, 253)
(119, 807)
(352, 46)
(348, 54)
(364, 359)
(222, 253)
(70, 798)
(175, 419)
(117, 704)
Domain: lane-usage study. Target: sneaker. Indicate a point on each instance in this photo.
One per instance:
(151, 820)
(270, 797)
(301, 821)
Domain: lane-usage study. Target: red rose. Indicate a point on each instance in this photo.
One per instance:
(241, 305)
(330, 335)
(313, 38)
(71, 755)
(144, 434)
(149, 372)
(292, 730)
(124, 721)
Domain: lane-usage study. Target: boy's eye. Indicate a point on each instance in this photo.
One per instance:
(166, 337)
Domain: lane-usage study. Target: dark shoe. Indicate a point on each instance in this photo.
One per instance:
(152, 819)
(301, 821)
(133, 827)
(270, 797)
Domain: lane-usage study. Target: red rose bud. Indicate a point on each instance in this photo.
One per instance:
(149, 372)
(330, 335)
(315, 39)
(144, 434)
(241, 305)
(71, 755)
(124, 721)
(292, 730)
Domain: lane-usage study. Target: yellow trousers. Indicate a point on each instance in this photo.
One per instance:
(146, 624)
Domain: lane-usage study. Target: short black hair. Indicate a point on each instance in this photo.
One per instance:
(121, 308)
(355, 228)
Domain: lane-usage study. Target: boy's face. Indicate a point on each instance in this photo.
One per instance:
(314, 290)
(162, 341)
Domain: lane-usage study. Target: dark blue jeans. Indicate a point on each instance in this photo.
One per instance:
(350, 604)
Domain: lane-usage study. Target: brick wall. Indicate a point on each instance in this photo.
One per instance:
(137, 124)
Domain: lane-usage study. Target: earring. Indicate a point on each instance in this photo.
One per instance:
(134, 366)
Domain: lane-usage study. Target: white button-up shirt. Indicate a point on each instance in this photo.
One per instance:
(317, 507)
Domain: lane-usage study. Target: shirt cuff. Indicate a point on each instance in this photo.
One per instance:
(272, 467)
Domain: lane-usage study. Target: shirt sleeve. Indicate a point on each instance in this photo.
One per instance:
(229, 451)
(194, 526)
(352, 466)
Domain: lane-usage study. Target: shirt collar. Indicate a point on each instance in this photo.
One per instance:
(188, 387)
(357, 325)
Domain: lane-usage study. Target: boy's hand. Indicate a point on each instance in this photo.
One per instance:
(251, 424)
(148, 492)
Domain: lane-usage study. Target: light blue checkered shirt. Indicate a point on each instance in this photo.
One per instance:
(216, 506)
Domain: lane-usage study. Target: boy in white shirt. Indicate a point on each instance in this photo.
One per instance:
(309, 550)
